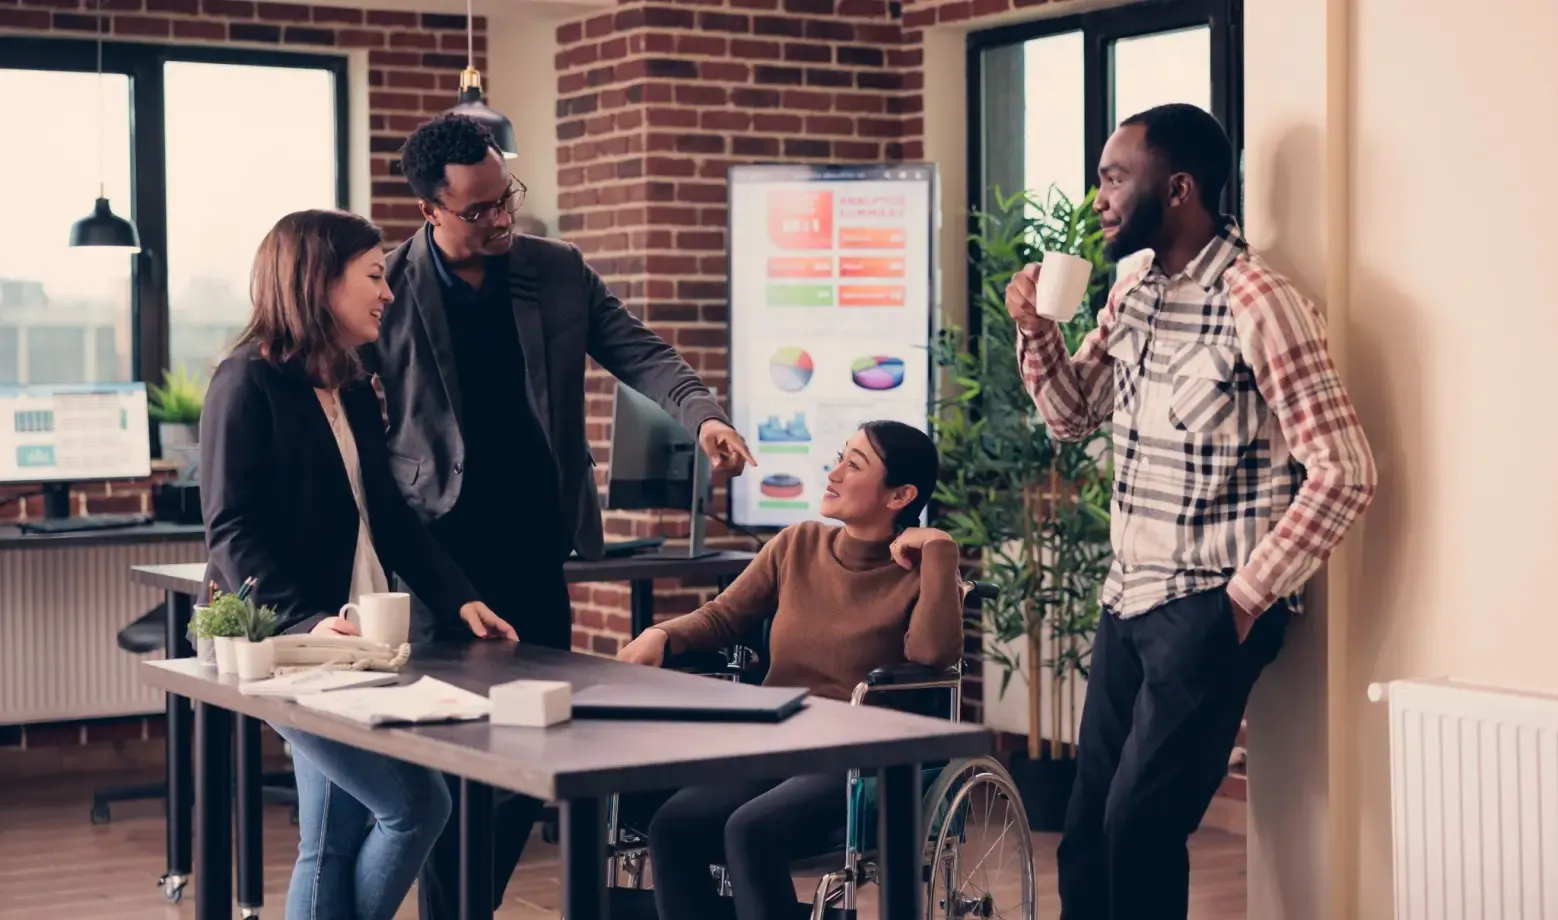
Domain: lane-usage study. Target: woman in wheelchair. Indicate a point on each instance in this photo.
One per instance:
(874, 592)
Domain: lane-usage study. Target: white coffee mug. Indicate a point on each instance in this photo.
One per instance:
(1062, 285)
(382, 617)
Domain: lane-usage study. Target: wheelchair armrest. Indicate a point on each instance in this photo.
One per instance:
(913, 675)
(979, 591)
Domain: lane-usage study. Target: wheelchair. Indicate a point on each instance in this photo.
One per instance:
(973, 823)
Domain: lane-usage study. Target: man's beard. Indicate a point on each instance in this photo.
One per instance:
(1138, 231)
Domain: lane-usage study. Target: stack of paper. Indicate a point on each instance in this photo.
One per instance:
(427, 700)
(314, 680)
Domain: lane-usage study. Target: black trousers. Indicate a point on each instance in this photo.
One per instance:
(755, 829)
(1165, 696)
(534, 600)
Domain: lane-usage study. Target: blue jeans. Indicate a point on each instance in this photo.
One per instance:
(345, 869)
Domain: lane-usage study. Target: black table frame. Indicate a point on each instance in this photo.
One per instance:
(583, 851)
(181, 725)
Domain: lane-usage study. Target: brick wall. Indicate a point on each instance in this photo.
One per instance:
(656, 102)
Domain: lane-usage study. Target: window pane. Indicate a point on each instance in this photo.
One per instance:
(1054, 141)
(1161, 68)
(229, 181)
(53, 298)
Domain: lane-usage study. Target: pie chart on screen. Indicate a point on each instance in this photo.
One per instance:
(877, 372)
(790, 369)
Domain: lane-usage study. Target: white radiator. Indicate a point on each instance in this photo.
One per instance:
(60, 614)
(1474, 800)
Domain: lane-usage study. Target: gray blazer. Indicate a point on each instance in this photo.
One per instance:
(564, 313)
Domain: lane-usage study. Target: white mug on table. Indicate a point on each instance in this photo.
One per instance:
(384, 617)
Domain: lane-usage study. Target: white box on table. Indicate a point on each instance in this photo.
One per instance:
(531, 703)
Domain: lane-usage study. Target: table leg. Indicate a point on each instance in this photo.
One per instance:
(474, 812)
(214, 813)
(898, 830)
(251, 880)
(584, 859)
(178, 757)
(641, 604)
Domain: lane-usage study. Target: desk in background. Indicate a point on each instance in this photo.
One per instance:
(579, 763)
(182, 583)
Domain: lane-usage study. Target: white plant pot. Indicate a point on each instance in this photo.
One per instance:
(226, 654)
(256, 660)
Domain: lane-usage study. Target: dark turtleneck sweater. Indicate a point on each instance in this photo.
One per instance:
(841, 608)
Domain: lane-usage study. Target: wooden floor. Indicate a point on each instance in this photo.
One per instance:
(55, 863)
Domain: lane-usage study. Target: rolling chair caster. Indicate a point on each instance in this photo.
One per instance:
(173, 887)
(100, 813)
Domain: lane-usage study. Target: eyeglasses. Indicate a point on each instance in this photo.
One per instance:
(486, 213)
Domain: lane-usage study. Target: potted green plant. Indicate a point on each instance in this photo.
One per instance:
(1031, 511)
(255, 654)
(176, 406)
(215, 627)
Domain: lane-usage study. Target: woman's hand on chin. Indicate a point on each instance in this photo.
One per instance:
(907, 548)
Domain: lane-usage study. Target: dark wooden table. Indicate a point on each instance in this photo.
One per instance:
(183, 582)
(579, 763)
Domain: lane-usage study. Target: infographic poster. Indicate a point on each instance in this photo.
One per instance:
(830, 318)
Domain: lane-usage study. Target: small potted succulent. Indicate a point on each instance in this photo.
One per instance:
(254, 653)
(215, 626)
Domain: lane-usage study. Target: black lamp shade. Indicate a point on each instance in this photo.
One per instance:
(105, 229)
(473, 106)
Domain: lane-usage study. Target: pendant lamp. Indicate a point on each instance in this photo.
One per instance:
(472, 104)
(103, 228)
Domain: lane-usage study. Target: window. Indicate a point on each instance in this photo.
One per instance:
(1046, 95)
(191, 155)
(228, 182)
(64, 313)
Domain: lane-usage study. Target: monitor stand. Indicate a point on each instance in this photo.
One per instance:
(56, 500)
(699, 515)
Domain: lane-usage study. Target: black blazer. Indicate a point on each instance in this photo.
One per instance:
(278, 506)
(565, 314)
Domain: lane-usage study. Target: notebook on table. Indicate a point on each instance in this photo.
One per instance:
(729, 703)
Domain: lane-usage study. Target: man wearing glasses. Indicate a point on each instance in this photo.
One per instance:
(481, 363)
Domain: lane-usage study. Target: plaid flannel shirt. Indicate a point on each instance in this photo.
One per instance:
(1239, 461)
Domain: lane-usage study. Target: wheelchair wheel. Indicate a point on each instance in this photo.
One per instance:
(982, 859)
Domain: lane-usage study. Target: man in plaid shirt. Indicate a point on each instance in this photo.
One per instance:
(1239, 465)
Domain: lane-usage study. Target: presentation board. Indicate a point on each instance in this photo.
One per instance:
(831, 313)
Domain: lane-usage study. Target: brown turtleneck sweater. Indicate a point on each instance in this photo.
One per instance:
(841, 608)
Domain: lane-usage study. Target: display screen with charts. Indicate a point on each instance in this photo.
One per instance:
(831, 311)
(78, 432)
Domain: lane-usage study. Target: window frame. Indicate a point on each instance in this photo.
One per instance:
(144, 64)
(1100, 29)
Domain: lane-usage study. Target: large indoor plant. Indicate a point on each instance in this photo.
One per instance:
(1033, 512)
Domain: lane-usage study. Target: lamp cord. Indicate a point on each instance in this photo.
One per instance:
(97, 29)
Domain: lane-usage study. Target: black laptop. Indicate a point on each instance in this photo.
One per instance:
(730, 703)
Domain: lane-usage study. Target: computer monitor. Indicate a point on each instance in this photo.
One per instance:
(62, 434)
(656, 465)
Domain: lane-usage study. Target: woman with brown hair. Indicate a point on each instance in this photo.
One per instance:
(297, 494)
